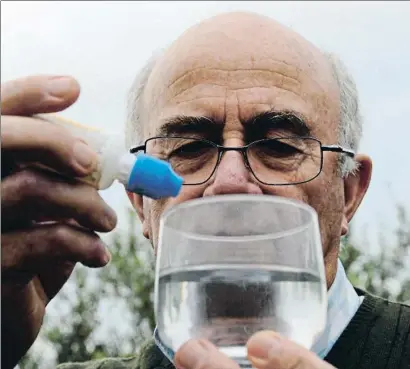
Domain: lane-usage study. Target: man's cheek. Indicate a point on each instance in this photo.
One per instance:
(156, 208)
(329, 209)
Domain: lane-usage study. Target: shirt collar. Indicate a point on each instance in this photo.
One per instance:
(343, 302)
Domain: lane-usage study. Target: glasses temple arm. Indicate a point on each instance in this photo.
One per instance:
(135, 149)
(338, 148)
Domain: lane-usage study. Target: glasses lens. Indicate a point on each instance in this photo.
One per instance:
(194, 160)
(285, 160)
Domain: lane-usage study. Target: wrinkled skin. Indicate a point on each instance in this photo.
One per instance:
(231, 67)
(228, 69)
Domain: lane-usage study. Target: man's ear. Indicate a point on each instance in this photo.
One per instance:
(355, 187)
(138, 204)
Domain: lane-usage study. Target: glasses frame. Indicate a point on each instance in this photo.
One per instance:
(244, 151)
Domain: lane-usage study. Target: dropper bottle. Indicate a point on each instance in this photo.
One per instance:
(142, 173)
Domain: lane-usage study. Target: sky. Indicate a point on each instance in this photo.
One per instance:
(104, 44)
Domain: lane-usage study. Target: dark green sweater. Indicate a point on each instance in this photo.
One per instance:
(378, 337)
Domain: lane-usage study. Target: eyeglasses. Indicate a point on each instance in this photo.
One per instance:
(273, 161)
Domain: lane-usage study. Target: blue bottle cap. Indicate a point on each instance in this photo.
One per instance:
(154, 178)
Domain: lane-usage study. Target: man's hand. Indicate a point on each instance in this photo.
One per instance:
(266, 350)
(38, 257)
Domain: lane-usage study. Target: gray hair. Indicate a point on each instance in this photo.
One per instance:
(134, 129)
(351, 122)
(350, 126)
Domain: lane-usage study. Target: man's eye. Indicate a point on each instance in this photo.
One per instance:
(191, 149)
(279, 148)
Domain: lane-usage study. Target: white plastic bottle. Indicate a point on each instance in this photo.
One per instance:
(141, 173)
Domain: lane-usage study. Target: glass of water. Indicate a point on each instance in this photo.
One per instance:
(230, 266)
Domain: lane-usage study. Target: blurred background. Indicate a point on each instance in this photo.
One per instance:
(104, 44)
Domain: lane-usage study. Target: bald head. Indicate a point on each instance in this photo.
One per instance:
(227, 48)
(239, 40)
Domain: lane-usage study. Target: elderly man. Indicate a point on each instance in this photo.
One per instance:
(232, 79)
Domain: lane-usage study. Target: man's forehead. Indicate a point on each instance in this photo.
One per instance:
(239, 40)
(234, 51)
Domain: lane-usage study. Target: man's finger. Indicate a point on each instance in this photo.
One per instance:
(268, 350)
(52, 279)
(201, 354)
(38, 94)
(31, 195)
(31, 250)
(30, 139)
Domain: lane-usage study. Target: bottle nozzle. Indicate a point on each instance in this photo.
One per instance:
(154, 178)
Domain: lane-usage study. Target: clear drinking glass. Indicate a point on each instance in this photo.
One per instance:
(229, 266)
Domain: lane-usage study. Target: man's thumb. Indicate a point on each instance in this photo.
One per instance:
(38, 94)
(268, 350)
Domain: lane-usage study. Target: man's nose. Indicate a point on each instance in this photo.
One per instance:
(232, 177)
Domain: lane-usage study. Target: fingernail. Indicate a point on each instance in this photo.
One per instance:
(264, 345)
(110, 218)
(107, 257)
(84, 155)
(100, 256)
(58, 87)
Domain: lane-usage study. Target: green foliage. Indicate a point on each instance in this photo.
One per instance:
(29, 361)
(73, 337)
(385, 274)
(129, 280)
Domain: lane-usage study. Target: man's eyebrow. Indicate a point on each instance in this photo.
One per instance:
(280, 120)
(183, 125)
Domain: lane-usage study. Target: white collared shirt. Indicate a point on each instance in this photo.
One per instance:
(343, 303)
